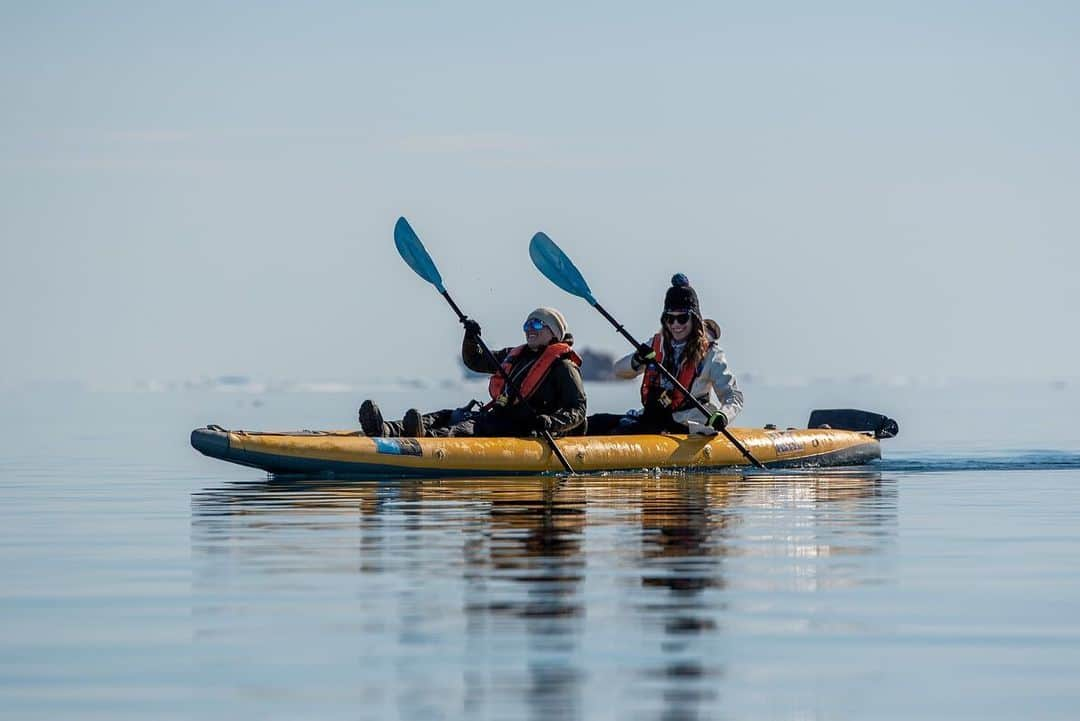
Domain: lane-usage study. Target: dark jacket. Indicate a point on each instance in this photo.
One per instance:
(560, 396)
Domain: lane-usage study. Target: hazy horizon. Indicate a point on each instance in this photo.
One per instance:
(202, 190)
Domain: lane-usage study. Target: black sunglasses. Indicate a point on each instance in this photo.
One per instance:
(680, 318)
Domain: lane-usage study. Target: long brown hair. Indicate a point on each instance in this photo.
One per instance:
(697, 343)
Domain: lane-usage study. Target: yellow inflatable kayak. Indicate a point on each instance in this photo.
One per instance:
(353, 455)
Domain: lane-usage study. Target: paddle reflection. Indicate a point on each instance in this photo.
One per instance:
(527, 586)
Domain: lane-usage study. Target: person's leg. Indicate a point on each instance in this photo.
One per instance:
(631, 426)
(646, 425)
(649, 424)
(601, 424)
(673, 426)
(371, 420)
(393, 429)
(478, 423)
(449, 422)
(412, 424)
(497, 425)
(438, 419)
(431, 421)
(464, 429)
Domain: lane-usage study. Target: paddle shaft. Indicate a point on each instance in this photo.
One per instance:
(671, 377)
(546, 435)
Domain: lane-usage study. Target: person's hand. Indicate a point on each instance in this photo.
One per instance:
(472, 328)
(718, 421)
(644, 354)
(542, 424)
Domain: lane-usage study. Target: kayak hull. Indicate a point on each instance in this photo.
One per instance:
(348, 454)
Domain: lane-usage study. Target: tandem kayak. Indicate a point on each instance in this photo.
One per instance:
(351, 454)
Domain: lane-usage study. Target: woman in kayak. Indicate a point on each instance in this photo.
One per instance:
(545, 392)
(687, 346)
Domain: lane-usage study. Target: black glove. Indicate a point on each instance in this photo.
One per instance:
(542, 424)
(644, 354)
(472, 328)
(718, 421)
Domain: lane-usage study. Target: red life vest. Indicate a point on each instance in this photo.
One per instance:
(536, 373)
(651, 382)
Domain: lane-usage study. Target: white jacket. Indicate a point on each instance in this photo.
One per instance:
(716, 381)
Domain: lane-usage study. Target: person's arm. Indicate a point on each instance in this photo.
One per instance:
(474, 357)
(570, 398)
(624, 367)
(635, 364)
(717, 389)
(724, 385)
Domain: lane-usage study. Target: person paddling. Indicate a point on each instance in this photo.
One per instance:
(687, 345)
(545, 391)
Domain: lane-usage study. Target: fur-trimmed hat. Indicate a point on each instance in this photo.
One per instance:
(553, 319)
(680, 296)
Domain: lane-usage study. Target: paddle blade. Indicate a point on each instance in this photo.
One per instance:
(415, 254)
(558, 268)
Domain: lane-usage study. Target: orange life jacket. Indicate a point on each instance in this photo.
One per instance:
(651, 382)
(536, 373)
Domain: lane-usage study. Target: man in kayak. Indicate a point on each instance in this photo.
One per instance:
(544, 392)
(687, 346)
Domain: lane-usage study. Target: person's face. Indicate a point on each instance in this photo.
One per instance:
(679, 324)
(537, 335)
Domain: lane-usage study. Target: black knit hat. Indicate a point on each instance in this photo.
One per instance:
(680, 296)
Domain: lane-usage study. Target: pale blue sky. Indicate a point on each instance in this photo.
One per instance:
(196, 189)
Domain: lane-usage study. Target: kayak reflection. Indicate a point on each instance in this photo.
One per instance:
(532, 587)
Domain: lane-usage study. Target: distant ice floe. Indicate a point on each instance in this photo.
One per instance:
(245, 384)
(238, 383)
(857, 379)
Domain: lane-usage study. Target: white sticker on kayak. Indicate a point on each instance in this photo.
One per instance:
(786, 442)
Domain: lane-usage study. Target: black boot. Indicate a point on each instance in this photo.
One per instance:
(412, 424)
(371, 420)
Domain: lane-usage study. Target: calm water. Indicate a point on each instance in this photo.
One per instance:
(142, 580)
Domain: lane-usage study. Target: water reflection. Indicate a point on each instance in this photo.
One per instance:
(525, 563)
(545, 597)
(684, 530)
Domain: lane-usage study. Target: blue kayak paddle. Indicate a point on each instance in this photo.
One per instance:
(416, 256)
(557, 267)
